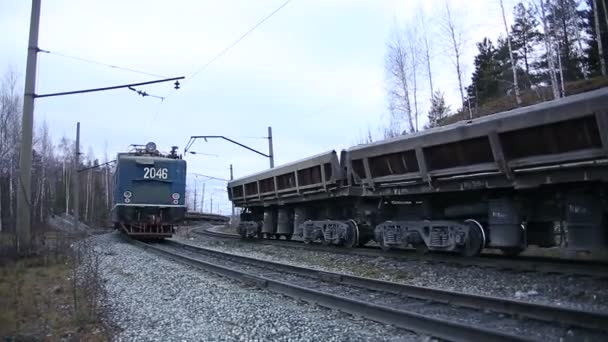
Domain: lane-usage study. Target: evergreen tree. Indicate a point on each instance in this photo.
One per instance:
(525, 36)
(485, 82)
(591, 53)
(564, 24)
(439, 109)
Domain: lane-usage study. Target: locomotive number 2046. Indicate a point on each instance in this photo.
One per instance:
(152, 173)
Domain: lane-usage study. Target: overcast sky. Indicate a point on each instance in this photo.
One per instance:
(314, 72)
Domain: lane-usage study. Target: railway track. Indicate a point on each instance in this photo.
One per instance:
(522, 263)
(444, 314)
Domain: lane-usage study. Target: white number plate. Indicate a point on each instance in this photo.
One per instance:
(152, 173)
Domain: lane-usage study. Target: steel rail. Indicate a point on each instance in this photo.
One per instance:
(521, 263)
(547, 313)
(403, 319)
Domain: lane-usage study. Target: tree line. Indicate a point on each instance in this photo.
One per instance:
(551, 48)
(52, 170)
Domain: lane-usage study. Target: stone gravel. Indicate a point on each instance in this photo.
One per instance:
(526, 328)
(149, 298)
(584, 293)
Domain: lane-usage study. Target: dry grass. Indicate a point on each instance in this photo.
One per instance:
(528, 97)
(41, 300)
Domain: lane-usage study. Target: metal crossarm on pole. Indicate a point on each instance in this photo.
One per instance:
(270, 154)
(176, 79)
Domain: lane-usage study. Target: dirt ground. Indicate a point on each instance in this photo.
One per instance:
(37, 298)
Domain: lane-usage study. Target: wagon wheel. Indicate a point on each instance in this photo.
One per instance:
(352, 235)
(475, 240)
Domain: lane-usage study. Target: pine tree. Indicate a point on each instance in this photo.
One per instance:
(485, 83)
(564, 23)
(525, 37)
(439, 109)
(591, 53)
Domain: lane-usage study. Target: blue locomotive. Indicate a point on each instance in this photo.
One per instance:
(149, 192)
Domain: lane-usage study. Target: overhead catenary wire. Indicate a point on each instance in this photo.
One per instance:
(221, 53)
(209, 177)
(253, 28)
(100, 63)
(233, 44)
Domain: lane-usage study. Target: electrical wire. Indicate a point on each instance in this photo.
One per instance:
(233, 44)
(240, 38)
(100, 63)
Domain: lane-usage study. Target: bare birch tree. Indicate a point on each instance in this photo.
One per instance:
(45, 148)
(598, 36)
(603, 10)
(549, 49)
(397, 62)
(414, 47)
(456, 42)
(427, 50)
(51, 167)
(65, 146)
(10, 112)
(513, 66)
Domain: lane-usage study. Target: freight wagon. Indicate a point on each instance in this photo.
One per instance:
(530, 176)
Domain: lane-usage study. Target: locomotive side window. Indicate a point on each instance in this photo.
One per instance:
(152, 173)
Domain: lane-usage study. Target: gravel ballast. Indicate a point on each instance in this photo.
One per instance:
(154, 299)
(527, 328)
(583, 293)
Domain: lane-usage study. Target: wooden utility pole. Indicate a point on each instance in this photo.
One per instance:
(24, 192)
(76, 179)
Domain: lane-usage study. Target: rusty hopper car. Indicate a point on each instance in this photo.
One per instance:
(530, 176)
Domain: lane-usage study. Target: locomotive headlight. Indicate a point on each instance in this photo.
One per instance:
(175, 202)
(127, 200)
(127, 194)
(150, 147)
(175, 196)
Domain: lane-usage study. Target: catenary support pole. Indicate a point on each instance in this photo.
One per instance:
(76, 178)
(24, 191)
(270, 149)
(203, 199)
(232, 178)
